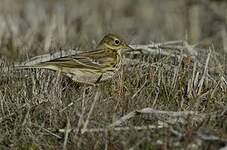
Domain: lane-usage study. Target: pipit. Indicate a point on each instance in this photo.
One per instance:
(90, 67)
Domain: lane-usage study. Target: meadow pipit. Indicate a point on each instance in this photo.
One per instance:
(93, 66)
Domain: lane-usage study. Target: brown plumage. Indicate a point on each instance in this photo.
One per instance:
(93, 66)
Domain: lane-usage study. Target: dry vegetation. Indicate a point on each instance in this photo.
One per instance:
(170, 95)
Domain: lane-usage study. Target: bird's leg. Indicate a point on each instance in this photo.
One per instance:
(57, 86)
(99, 79)
(58, 76)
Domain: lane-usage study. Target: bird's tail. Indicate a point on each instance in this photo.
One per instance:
(18, 67)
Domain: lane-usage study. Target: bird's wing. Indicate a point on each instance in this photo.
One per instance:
(45, 58)
(89, 60)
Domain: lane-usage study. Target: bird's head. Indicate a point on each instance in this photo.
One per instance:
(114, 42)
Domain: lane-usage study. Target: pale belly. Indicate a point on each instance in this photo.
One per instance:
(83, 75)
(87, 76)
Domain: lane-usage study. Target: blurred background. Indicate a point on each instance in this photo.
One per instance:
(31, 27)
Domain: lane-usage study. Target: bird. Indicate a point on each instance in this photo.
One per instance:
(89, 67)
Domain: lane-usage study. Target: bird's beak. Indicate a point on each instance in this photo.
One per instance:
(126, 48)
(129, 49)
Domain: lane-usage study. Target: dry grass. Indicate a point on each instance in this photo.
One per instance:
(184, 98)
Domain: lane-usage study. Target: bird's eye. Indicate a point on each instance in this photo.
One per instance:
(117, 42)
